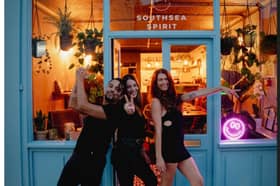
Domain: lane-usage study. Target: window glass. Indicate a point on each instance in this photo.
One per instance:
(249, 63)
(161, 15)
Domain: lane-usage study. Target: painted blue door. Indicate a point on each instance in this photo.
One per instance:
(192, 57)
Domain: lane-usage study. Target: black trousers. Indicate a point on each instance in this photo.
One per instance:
(129, 162)
(85, 169)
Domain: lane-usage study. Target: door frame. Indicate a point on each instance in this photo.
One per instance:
(202, 154)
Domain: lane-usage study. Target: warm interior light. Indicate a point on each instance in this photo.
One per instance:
(87, 60)
(240, 40)
(186, 62)
(65, 54)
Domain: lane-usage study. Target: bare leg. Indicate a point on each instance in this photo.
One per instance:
(190, 170)
(167, 177)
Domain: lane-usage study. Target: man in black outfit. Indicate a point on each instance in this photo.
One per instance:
(88, 160)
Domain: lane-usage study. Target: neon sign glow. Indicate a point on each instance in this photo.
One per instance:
(234, 128)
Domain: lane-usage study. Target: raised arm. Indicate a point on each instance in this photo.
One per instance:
(73, 98)
(206, 92)
(82, 102)
(156, 116)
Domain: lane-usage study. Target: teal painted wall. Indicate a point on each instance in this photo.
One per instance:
(12, 94)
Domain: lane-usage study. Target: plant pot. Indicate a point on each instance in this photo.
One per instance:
(226, 45)
(38, 48)
(90, 46)
(41, 134)
(268, 44)
(249, 39)
(65, 42)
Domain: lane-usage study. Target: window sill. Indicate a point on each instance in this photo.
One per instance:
(56, 144)
(247, 143)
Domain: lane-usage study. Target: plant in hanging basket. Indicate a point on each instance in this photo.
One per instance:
(94, 87)
(248, 33)
(38, 46)
(64, 25)
(41, 57)
(268, 43)
(227, 43)
(90, 42)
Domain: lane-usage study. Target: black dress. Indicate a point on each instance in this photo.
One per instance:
(127, 158)
(173, 148)
(88, 160)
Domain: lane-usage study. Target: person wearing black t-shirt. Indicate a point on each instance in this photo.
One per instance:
(87, 162)
(127, 156)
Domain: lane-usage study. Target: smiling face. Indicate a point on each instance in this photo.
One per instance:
(162, 82)
(113, 91)
(132, 88)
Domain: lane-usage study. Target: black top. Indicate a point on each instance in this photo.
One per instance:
(96, 134)
(129, 126)
(173, 148)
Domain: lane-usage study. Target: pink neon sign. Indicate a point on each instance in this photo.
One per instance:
(234, 128)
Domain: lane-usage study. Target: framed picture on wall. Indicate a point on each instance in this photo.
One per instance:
(270, 118)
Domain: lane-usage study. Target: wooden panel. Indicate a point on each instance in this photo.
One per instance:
(248, 168)
(47, 167)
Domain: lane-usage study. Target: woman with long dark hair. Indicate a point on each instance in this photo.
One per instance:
(127, 156)
(168, 120)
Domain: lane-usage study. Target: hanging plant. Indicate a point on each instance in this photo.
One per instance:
(268, 41)
(248, 33)
(227, 41)
(268, 44)
(248, 58)
(41, 57)
(43, 64)
(90, 42)
(64, 25)
(38, 41)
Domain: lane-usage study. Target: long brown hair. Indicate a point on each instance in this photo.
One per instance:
(167, 98)
(138, 99)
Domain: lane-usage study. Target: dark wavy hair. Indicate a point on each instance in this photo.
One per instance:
(120, 87)
(167, 98)
(138, 99)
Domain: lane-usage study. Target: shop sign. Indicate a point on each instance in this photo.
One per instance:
(161, 22)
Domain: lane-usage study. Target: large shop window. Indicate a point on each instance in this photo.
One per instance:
(161, 15)
(65, 36)
(249, 64)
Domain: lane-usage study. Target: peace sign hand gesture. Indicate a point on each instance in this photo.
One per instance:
(129, 105)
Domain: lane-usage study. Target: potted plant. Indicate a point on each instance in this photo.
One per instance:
(94, 87)
(248, 33)
(268, 43)
(40, 125)
(64, 25)
(90, 42)
(227, 43)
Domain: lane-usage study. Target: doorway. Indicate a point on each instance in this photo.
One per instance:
(188, 61)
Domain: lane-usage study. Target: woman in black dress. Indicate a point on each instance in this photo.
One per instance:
(169, 137)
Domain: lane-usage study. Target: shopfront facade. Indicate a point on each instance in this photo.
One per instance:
(136, 41)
